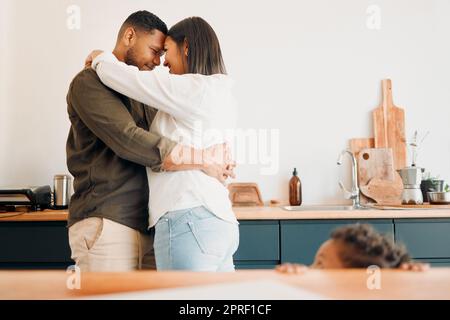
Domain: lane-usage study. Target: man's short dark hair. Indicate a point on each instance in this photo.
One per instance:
(364, 246)
(144, 21)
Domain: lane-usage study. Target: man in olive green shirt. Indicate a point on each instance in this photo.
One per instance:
(108, 148)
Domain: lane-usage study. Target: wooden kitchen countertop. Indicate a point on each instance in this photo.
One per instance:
(278, 213)
(334, 284)
(45, 215)
(264, 213)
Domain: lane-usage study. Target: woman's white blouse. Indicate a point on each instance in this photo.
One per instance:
(194, 110)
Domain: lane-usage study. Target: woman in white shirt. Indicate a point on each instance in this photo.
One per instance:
(195, 227)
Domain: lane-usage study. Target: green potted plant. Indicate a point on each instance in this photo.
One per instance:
(431, 184)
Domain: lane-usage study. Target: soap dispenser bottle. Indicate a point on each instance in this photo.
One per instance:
(295, 190)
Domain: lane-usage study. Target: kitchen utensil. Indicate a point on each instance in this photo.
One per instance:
(375, 163)
(439, 197)
(356, 145)
(384, 191)
(61, 191)
(411, 206)
(411, 177)
(245, 194)
(389, 126)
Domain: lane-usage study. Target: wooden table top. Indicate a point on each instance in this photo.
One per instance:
(264, 213)
(334, 284)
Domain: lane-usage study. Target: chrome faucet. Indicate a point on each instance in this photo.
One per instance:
(354, 194)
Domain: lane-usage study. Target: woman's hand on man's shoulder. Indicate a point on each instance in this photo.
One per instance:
(90, 58)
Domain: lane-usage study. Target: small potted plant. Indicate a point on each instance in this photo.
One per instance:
(431, 184)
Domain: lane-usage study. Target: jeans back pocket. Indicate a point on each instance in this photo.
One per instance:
(213, 235)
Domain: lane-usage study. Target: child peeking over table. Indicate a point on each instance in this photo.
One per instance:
(357, 246)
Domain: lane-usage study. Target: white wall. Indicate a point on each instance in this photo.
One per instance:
(4, 72)
(311, 69)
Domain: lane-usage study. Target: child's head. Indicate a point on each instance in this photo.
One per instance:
(359, 246)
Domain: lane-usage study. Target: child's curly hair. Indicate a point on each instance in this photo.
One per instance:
(365, 247)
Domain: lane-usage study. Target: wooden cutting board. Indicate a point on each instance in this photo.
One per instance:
(426, 205)
(356, 145)
(377, 178)
(245, 194)
(389, 126)
(375, 163)
(384, 191)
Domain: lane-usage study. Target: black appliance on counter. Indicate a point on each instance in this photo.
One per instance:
(37, 198)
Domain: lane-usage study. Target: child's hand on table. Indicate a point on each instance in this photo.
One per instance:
(291, 268)
(415, 266)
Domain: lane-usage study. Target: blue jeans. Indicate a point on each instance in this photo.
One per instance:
(195, 239)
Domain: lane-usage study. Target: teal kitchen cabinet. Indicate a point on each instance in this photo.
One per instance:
(259, 244)
(426, 239)
(300, 239)
(34, 245)
(45, 245)
(263, 243)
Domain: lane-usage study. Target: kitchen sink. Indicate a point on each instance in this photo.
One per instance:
(324, 208)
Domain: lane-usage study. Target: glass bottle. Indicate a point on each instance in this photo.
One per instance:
(295, 190)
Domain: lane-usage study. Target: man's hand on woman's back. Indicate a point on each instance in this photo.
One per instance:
(216, 161)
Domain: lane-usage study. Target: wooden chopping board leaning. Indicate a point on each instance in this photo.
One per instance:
(389, 126)
(377, 177)
(378, 158)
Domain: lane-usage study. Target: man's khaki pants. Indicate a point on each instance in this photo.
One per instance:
(100, 244)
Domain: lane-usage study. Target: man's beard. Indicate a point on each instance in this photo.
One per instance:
(130, 58)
